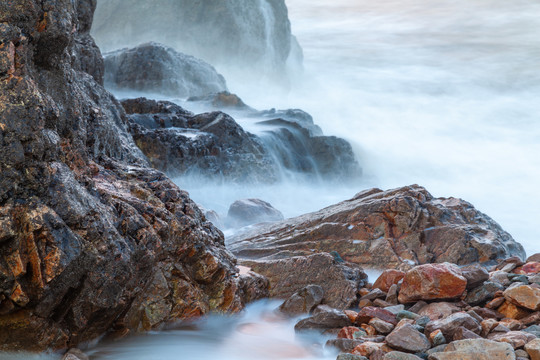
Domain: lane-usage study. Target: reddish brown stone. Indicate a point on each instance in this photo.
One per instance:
(512, 311)
(495, 303)
(531, 319)
(351, 315)
(525, 296)
(347, 332)
(367, 348)
(528, 269)
(369, 312)
(370, 330)
(436, 311)
(389, 229)
(431, 282)
(387, 279)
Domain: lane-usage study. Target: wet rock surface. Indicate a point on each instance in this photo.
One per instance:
(433, 329)
(214, 146)
(91, 238)
(158, 69)
(340, 281)
(383, 229)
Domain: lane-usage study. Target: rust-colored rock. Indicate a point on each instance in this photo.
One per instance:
(386, 229)
(528, 269)
(368, 348)
(91, 237)
(432, 281)
(512, 311)
(387, 279)
(347, 332)
(525, 296)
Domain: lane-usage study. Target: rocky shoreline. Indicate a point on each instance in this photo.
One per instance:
(433, 311)
(96, 240)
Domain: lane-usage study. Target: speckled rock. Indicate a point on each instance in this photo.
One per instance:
(396, 228)
(91, 237)
(431, 282)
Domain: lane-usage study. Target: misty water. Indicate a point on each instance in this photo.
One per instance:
(440, 93)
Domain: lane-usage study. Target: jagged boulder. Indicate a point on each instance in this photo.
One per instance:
(214, 146)
(382, 229)
(91, 238)
(158, 69)
(209, 145)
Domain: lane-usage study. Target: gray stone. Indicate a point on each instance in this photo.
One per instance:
(251, 211)
(303, 301)
(324, 317)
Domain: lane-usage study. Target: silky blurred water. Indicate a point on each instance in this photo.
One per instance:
(439, 93)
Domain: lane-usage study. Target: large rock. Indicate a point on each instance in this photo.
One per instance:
(432, 282)
(252, 211)
(253, 35)
(525, 296)
(381, 229)
(91, 238)
(340, 281)
(475, 349)
(387, 279)
(214, 146)
(157, 69)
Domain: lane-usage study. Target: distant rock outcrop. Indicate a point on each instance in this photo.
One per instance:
(382, 229)
(91, 238)
(158, 69)
(238, 34)
(252, 211)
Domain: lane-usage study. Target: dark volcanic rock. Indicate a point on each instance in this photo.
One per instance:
(235, 33)
(158, 69)
(394, 228)
(207, 145)
(212, 145)
(91, 238)
(340, 281)
(252, 211)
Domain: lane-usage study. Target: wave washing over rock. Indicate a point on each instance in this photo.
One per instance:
(91, 238)
(237, 34)
(213, 146)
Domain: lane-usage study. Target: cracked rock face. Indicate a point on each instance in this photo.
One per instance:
(91, 238)
(386, 229)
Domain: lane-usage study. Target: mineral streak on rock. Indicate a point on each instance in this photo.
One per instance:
(91, 238)
(386, 229)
